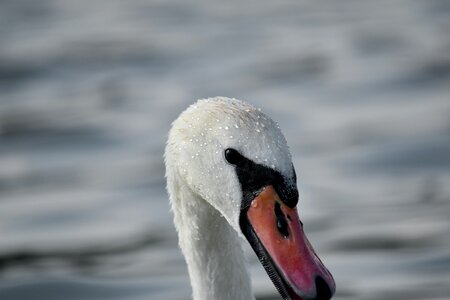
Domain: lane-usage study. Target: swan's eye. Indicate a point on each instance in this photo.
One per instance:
(233, 156)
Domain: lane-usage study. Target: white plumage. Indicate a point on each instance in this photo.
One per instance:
(205, 193)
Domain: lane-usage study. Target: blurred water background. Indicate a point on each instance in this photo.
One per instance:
(88, 90)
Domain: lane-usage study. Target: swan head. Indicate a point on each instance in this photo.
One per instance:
(234, 157)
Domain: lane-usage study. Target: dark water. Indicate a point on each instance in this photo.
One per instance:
(88, 89)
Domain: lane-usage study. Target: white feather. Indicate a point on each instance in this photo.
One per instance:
(205, 193)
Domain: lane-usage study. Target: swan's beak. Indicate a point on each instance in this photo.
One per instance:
(280, 232)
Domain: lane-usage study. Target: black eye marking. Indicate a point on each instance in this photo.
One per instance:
(254, 177)
(282, 225)
(233, 156)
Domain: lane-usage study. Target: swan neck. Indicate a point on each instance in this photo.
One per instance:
(211, 247)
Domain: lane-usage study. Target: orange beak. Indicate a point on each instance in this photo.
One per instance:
(299, 272)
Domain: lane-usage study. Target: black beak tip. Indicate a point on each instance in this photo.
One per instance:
(323, 289)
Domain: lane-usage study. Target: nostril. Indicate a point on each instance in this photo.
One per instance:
(323, 289)
(282, 224)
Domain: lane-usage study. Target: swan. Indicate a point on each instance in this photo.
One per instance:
(229, 178)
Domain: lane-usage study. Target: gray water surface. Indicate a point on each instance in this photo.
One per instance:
(88, 90)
